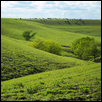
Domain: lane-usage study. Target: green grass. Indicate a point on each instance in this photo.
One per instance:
(14, 29)
(69, 83)
(87, 30)
(91, 27)
(18, 60)
(29, 74)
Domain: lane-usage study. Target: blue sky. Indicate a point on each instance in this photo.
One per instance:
(51, 9)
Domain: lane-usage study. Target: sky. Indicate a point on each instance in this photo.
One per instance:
(51, 9)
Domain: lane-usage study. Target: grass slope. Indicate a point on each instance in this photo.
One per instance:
(18, 60)
(14, 28)
(79, 83)
(89, 27)
(62, 78)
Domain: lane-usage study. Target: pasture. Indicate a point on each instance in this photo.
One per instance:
(30, 74)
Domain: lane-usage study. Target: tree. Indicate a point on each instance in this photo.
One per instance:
(46, 45)
(85, 48)
(27, 35)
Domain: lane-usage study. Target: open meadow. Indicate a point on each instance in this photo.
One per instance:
(30, 74)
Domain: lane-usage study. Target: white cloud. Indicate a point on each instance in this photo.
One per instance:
(57, 3)
(8, 3)
(5, 4)
(38, 4)
(81, 4)
(41, 9)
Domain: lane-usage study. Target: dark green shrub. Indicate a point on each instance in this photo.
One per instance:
(46, 45)
(85, 47)
(39, 44)
(53, 47)
(27, 35)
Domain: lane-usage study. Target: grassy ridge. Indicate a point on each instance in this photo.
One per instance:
(89, 27)
(14, 28)
(62, 22)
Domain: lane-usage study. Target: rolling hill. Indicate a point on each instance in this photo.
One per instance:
(29, 74)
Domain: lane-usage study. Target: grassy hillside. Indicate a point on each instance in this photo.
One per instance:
(19, 60)
(71, 84)
(29, 74)
(87, 27)
(14, 28)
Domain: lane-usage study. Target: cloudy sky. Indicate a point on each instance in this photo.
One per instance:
(51, 9)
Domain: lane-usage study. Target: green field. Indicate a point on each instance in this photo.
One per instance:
(30, 74)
